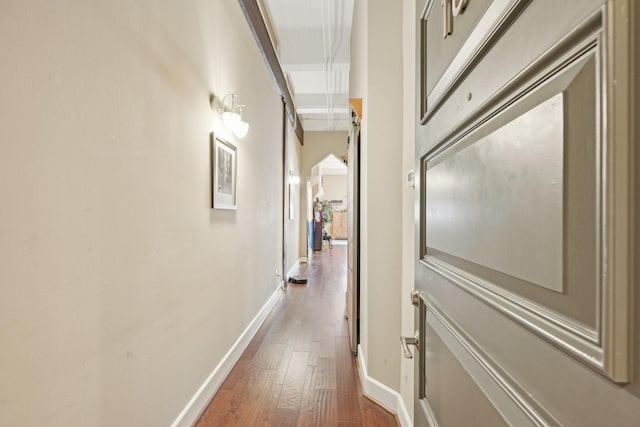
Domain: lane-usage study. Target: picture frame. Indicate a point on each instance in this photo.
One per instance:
(224, 174)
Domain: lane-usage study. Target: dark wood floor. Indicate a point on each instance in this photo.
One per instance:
(298, 370)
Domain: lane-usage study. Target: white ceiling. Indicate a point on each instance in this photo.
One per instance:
(312, 38)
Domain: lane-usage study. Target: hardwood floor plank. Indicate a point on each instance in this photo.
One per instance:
(326, 414)
(238, 376)
(291, 392)
(368, 413)
(268, 405)
(325, 378)
(384, 418)
(283, 417)
(347, 383)
(217, 410)
(307, 403)
(327, 341)
(298, 370)
(283, 365)
(323, 412)
(255, 394)
(269, 356)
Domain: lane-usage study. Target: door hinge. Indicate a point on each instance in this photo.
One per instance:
(415, 298)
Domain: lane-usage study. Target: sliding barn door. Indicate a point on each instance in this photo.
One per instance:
(523, 287)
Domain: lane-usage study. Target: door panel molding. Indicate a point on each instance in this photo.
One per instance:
(603, 345)
(557, 329)
(495, 20)
(582, 40)
(515, 404)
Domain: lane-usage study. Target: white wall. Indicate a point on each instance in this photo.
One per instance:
(380, 87)
(120, 288)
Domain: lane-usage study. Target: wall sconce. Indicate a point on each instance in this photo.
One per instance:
(232, 114)
(294, 179)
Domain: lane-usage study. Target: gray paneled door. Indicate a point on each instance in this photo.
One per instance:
(522, 163)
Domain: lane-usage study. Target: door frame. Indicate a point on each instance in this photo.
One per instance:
(353, 189)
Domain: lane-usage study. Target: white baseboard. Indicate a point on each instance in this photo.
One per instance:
(385, 396)
(198, 403)
(403, 414)
(304, 259)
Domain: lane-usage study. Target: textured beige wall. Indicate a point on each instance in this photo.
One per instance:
(317, 146)
(121, 289)
(382, 150)
(381, 189)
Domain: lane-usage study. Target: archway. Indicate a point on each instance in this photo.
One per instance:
(326, 204)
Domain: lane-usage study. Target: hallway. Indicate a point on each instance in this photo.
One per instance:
(298, 369)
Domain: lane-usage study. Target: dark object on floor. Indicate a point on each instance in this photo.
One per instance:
(298, 279)
(326, 236)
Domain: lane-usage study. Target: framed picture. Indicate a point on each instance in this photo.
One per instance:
(224, 163)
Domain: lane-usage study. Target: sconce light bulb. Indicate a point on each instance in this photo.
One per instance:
(241, 129)
(232, 115)
(230, 119)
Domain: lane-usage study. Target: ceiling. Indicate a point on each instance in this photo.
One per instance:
(312, 39)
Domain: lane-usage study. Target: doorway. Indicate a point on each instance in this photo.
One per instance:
(327, 202)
